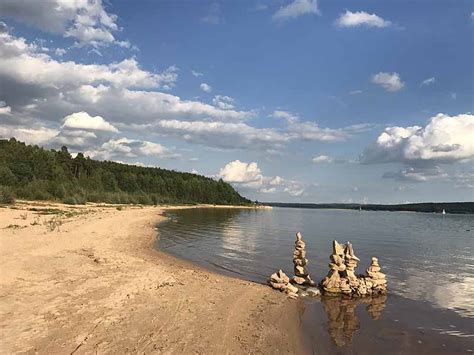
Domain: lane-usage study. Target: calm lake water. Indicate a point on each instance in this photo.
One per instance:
(428, 260)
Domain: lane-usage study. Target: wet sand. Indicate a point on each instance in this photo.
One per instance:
(86, 279)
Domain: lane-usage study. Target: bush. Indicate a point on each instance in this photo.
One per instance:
(70, 200)
(6, 195)
(75, 200)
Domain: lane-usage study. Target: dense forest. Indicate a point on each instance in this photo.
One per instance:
(33, 173)
(429, 207)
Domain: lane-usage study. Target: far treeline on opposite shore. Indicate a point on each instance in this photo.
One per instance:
(429, 207)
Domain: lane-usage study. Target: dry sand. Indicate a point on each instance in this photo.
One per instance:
(95, 284)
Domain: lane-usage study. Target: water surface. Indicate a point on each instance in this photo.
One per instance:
(427, 258)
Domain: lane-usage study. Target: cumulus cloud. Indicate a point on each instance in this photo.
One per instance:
(286, 116)
(311, 131)
(416, 174)
(223, 102)
(86, 21)
(39, 88)
(429, 81)
(130, 148)
(82, 120)
(361, 18)
(196, 73)
(246, 174)
(4, 109)
(205, 87)
(389, 81)
(222, 134)
(250, 176)
(444, 139)
(55, 88)
(22, 62)
(36, 135)
(295, 9)
(321, 159)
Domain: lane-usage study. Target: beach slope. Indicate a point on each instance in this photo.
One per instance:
(88, 280)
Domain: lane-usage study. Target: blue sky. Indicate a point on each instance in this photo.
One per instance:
(292, 100)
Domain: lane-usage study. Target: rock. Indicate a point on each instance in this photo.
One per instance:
(299, 280)
(343, 279)
(299, 261)
(313, 292)
(280, 281)
(292, 288)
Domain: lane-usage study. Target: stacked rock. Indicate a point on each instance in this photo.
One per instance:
(375, 280)
(343, 279)
(350, 261)
(333, 282)
(299, 261)
(280, 281)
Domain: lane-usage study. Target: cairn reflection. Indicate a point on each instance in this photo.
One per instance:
(342, 319)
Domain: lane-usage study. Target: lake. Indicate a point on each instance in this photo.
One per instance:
(427, 258)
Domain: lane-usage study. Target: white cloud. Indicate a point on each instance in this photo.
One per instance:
(37, 135)
(56, 88)
(83, 20)
(312, 132)
(39, 89)
(355, 92)
(246, 174)
(429, 81)
(444, 139)
(286, 116)
(20, 61)
(196, 73)
(320, 159)
(60, 52)
(306, 130)
(130, 148)
(82, 120)
(223, 102)
(296, 9)
(249, 176)
(389, 81)
(361, 18)
(416, 174)
(75, 138)
(4, 109)
(222, 134)
(205, 87)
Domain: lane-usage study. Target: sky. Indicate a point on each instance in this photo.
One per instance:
(287, 100)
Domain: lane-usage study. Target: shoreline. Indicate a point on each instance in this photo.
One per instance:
(97, 284)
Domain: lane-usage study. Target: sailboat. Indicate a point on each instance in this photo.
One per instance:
(444, 212)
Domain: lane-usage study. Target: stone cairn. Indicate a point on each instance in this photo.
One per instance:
(342, 279)
(299, 261)
(280, 281)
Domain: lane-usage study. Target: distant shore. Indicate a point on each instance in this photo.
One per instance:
(429, 207)
(84, 279)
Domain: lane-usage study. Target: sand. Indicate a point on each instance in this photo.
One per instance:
(88, 280)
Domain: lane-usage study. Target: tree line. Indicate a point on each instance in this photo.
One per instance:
(34, 173)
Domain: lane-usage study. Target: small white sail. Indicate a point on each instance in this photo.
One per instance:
(444, 212)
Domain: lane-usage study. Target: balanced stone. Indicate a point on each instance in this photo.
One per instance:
(280, 281)
(299, 261)
(343, 279)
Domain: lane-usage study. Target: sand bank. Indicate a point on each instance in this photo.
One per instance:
(87, 280)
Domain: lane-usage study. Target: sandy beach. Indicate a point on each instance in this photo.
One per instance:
(87, 279)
